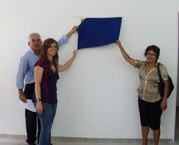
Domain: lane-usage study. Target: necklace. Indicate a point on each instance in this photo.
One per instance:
(53, 68)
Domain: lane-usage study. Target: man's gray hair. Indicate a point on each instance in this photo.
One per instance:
(32, 34)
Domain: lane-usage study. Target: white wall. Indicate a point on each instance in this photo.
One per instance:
(97, 95)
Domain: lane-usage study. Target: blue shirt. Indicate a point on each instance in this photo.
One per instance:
(25, 73)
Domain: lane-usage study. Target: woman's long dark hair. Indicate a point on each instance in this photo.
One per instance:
(45, 46)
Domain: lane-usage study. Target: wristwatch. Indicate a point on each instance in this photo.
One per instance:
(38, 99)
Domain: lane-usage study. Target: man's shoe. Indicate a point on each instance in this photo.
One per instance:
(31, 144)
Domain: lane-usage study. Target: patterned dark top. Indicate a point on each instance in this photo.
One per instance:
(48, 83)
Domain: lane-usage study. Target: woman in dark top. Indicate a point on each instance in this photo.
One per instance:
(46, 76)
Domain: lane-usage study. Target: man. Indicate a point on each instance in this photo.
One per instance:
(26, 74)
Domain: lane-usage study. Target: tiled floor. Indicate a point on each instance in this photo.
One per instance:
(20, 140)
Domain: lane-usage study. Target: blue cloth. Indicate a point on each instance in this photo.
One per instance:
(93, 32)
(26, 66)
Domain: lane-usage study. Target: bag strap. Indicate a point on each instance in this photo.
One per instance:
(158, 70)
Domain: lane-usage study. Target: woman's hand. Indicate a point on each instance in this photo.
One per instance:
(163, 104)
(119, 43)
(39, 107)
(75, 53)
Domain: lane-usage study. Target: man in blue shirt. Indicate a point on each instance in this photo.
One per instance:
(26, 75)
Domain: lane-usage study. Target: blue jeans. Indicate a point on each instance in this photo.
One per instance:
(46, 121)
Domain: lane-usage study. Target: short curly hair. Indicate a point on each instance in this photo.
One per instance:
(155, 48)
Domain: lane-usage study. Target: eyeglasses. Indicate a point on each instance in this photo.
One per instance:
(151, 54)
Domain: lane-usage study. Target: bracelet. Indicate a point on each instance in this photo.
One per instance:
(38, 99)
